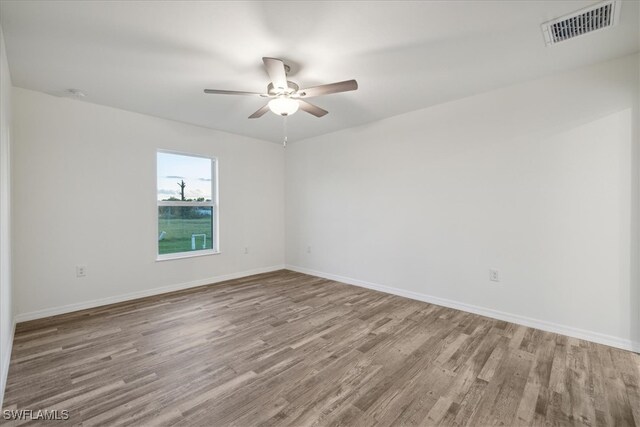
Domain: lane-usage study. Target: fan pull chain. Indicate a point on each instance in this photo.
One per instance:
(284, 127)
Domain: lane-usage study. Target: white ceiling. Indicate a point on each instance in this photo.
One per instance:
(156, 57)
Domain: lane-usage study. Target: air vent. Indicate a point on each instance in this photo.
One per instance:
(601, 15)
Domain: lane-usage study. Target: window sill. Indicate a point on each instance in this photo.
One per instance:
(181, 255)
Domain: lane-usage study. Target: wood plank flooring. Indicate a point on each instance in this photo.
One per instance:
(289, 349)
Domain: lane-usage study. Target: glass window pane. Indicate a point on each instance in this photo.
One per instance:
(184, 178)
(185, 229)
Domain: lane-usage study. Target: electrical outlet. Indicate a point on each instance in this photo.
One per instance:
(81, 270)
(494, 275)
(308, 249)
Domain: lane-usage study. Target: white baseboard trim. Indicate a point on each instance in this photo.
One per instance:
(4, 369)
(54, 311)
(544, 325)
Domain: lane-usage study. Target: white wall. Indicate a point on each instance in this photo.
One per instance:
(84, 191)
(538, 180)
(6, 308)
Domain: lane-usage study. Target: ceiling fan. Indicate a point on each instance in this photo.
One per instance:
(286, 96)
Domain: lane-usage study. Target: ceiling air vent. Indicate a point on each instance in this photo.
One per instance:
(600, 15)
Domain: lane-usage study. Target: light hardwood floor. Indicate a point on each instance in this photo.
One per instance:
(285, 348)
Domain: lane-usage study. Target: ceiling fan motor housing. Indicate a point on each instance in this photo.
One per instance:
(291, 89)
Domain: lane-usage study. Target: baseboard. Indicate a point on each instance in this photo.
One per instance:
(544, 325)
(4, 369)
(54, 311)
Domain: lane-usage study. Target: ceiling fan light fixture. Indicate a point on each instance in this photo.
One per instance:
(286, 96)
(283, 106)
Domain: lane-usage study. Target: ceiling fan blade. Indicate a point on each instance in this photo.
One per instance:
(233, 92)
(344, 86)
(311, 109)
(277, 73)
(261, 112)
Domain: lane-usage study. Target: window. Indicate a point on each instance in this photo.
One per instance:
(187, 205)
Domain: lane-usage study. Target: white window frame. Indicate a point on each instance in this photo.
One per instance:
(213, 204)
